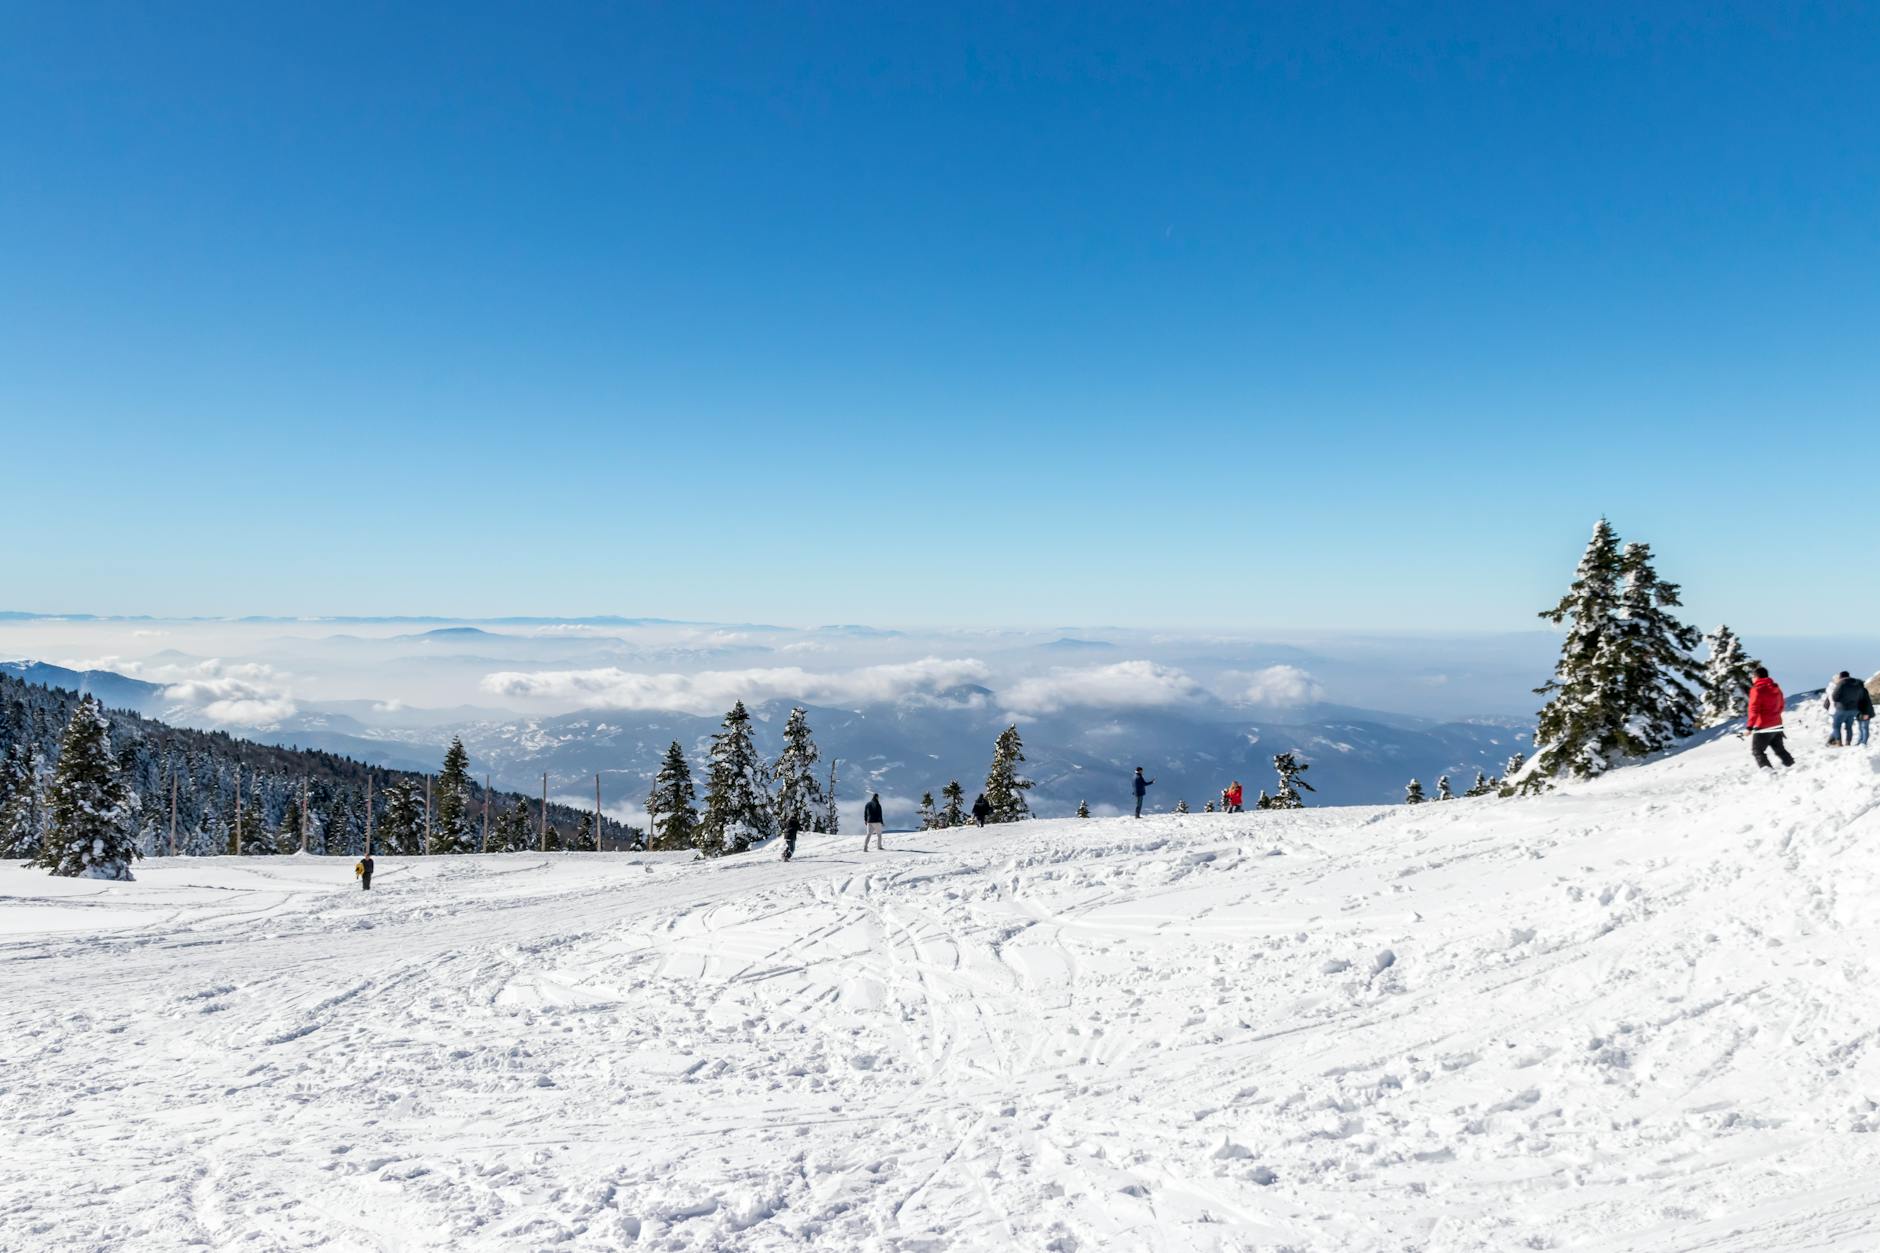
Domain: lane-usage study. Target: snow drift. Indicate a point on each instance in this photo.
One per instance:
(1634, 1014)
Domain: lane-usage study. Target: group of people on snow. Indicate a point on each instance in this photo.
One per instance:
(1848, 701)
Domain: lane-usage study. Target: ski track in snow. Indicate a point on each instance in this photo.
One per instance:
(1637, 1014)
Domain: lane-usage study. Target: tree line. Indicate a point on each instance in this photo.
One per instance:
(154, 789)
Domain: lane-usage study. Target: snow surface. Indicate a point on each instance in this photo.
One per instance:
(1636, 1014)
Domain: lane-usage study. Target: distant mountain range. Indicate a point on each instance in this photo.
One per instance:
(1357, 756)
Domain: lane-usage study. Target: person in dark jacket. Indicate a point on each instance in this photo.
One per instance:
(364, 871)
(1843, 699)
(790, 830)
(1764, 722)
(1142, 786)
(871, 821)
(982, 810)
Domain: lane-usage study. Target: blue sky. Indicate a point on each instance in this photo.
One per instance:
(1340, 316)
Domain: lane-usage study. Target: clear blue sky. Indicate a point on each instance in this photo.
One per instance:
(1176, 315)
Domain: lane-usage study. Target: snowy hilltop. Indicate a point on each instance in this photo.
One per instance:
(1631, 1013)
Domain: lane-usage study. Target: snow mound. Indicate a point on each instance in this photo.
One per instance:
(1633, 1014)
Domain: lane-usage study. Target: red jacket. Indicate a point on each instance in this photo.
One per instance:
(1765, 705)
(1233, 795)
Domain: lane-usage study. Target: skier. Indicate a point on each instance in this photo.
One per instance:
(790, 830)
(982, 810)
(1843, 701)
(364, 871)
(1234, 795)
(1764, 722)
(1142, 789)
(871, 817)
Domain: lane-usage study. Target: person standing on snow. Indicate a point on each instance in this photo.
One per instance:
(1866, 715)
(1764, 722)
(790, 830)
(1141, 785)
(982, 810)
(364, 871)
(1234, 795)
(871, 819)
(1843, 700)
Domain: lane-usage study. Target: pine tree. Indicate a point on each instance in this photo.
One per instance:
(1727, 676)
(257, 839)
(1083, 809)
(516, 828)
(1652, 660)
(1181, 807)
(22, 812)
(1442, 789)
(1510, 781)
(799, 795)
(928, 818)
(671, 812)
(583, 839)
(737, 802)
(1289, 768)
(451, 828)
(1263, 801)
(399, 828)
(1005, 787)
(91, 828)
(1413, 795)
(1481, 787)
(954, 814)
(1576, 729)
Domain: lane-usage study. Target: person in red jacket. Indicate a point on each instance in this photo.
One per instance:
(1765, 720)
(1233, 797)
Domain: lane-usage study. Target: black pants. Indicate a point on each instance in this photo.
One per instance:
(1139, 806)
(365, 881)
(1762, 742)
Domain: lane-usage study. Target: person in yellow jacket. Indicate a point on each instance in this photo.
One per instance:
(364, 871)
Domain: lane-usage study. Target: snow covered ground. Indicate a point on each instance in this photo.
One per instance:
(1637, 1014)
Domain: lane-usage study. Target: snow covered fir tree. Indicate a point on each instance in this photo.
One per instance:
(1413, 795)
(451, 829)
(1443, 792)
(799, 792)
(927, 816)
(1005, 786)
(954, 813)
(1623, 685)
(671, 808)
(1728, 672)
(1083, 809)
(737, 799)
(1289, 768)
(22, 800)
(91, 821)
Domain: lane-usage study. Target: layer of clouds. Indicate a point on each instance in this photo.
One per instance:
(1282, 687)
(243, 694)
(714, 691)
(249, 695)
(1123, 685)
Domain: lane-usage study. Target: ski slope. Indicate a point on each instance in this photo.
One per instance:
(1636, 1014)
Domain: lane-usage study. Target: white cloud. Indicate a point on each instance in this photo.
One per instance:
(248, 694)
(714, 691)
(1283, 686)
(1123, 685)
